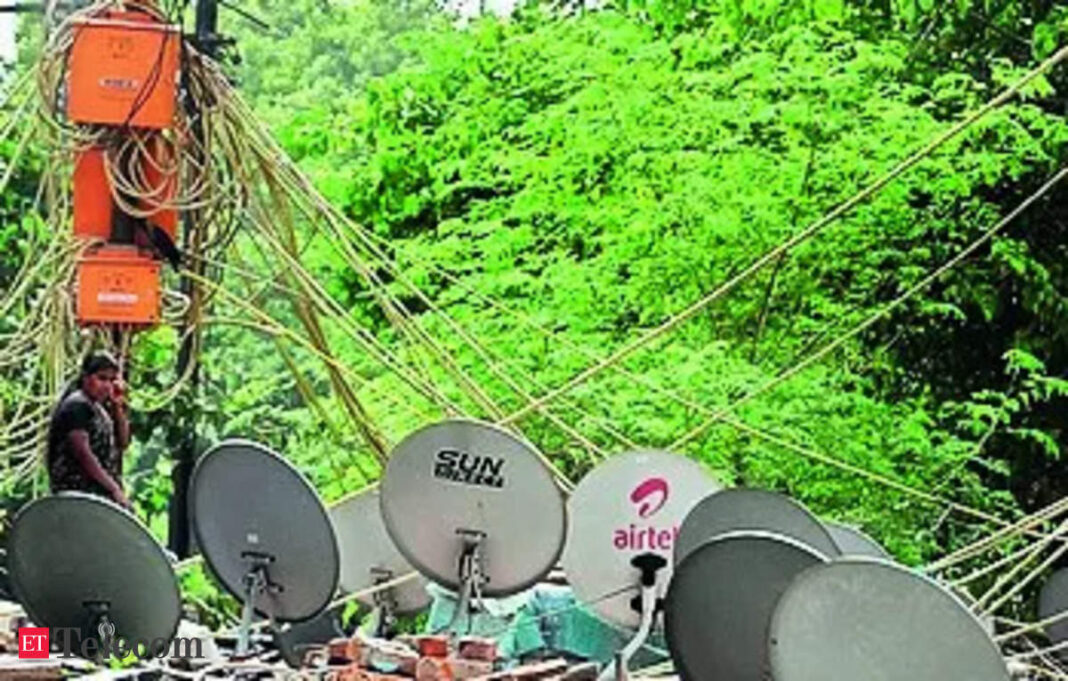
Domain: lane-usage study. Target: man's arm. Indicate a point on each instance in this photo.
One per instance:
(83, 454)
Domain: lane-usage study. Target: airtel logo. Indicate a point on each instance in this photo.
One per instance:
(650, 496)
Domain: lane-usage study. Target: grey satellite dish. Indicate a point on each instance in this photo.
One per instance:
(862, 618)
(853, 542)
(1053, 601)
(721, 600)
(369, 557)
(82, 562)
(745, 509)
(629, 505)
(971, 602)
(264, 533)
(473, 508)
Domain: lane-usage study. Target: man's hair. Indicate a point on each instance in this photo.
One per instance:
(98, 361)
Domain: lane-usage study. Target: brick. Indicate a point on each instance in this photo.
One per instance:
(392, 658)
(476, 648)
(469, 669)
(529, 672)
(433, 646)
(338, 650)
(433, 669)
(357, 650)
(350, 673)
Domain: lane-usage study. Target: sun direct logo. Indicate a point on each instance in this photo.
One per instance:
(648, 497)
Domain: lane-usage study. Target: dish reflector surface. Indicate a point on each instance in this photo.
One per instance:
(368, 555)
(721, 600)
(462, 476)
(746, 509)
(860, 618)
(248, 500)
(74, 549)
(853, 542)
(1053, 601)
(633, 503)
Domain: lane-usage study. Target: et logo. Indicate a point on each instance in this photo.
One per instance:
(33, 643)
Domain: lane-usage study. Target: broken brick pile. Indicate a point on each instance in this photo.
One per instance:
(435, 658)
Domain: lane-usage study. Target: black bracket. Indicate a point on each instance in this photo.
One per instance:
(648, 564)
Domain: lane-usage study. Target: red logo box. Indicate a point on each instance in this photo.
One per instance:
(33, 642)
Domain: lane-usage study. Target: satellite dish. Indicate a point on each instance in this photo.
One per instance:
(264, 533)
(473, 508)
(79, 561)
(853, 542)
(861, 618)
(1053, 601)
(631, 504)
(369, 557)
(721, 599)
(971, 602)
(747, 509)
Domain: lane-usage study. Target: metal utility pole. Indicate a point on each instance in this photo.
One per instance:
(207, 21)
(180, 540)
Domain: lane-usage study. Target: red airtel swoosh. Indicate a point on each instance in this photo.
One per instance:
(641, 493)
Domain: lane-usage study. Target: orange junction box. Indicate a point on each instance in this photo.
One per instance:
(161, 178)
(93, 205)
(123, 70)
(118, 285)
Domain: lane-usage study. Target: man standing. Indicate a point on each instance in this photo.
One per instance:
(89, 432)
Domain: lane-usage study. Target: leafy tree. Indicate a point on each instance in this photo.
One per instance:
(598, 172)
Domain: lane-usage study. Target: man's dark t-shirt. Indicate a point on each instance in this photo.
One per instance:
(78, 412)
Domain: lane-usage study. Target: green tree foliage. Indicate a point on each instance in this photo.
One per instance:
(598, 172)
(314, 53)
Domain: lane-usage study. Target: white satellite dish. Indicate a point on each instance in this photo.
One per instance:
(633, 503)
(473, 508)
(369, 557)
(624, 518)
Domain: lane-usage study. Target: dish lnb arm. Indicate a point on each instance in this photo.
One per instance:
(647, 604)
